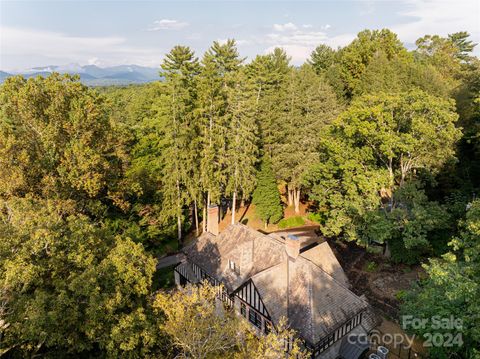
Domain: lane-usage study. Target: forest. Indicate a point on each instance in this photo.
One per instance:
(381, 142)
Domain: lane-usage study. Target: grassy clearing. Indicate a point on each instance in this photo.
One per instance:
(291, 222)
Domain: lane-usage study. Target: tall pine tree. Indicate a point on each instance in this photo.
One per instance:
(266, 197)
(176, 113)
(267, 75)
(220, 63)
(242, 143)
(309, 105)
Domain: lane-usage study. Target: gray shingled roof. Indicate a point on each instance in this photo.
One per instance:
(240, 244)
(323, 257)
(311, 290)
(317, 303)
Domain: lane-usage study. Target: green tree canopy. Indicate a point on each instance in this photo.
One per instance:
(413, 226)
(403, 132)
(463, 45)
(267, 75)
(199, 326)
(175, 115)
(354, 58)
(401, 74)
(452, 288)
(217, 79)
(70, 286)
(322, 58)
(266, 196)
(242, 141)
(309, 106)
(374, 147)
(55, 139)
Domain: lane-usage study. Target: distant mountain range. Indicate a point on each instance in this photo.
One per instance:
(92, 75)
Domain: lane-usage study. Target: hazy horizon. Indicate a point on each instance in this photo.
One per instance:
(109, 33)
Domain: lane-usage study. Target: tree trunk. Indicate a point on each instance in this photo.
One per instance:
(402, 178)
(403, 170)
(233, 206)
(242, 203)
(179, 215)
(258, 94)
(296, 198)
(390, 171)
(206, 215)
(387, 253)
(196, 216)
(290, 196)
(179, 227)
(204, 222)
(220, 209)
(266, 224)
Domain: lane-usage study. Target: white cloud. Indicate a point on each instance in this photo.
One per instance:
(31, 40)
(421, 17)
(298, 53)
(300, 46)
(285, 27)
(297, 40)
(72, 67)
(238, 42)
(306, 38)
(340, 40)
(368, 7)
(93, 61)
(168, 24)
(20, 47)
(439, 17)
(291, 34)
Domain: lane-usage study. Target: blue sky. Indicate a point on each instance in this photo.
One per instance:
(105, 33)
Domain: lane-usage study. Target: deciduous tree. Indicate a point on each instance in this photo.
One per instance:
(199, 326)
(195, 321)
(354, 58)
(70, 286)
(55, 140)
(451, 290)
(271, 345)
(376, 146)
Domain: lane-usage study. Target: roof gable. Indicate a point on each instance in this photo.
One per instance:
(249, 293)
(272, 286)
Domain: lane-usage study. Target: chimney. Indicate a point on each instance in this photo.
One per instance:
(212, 220)
(292, 246)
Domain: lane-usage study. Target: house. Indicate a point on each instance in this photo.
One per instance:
(266, 277)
